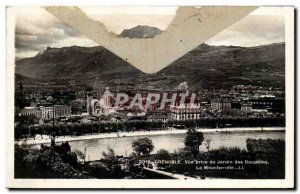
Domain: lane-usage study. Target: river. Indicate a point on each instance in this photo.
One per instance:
(170, 142)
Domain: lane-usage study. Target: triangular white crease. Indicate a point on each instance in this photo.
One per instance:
(190, 27)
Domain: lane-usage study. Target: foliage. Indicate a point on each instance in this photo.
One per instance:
(111, 162)
(46, 162)
(207, 143)
(269, 150)
(226, 153)
(76, 128)
(193, 140)
(182, 154)
(98, 170)
(21, 101)
(163, 154)
(79, 153)
(110, 158)
(142, 146)
(20, 163)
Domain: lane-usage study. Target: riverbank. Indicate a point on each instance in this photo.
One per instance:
(60, 139)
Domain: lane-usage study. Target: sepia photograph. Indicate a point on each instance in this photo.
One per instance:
(168, 95)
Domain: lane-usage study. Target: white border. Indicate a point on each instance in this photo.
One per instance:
(101, 183)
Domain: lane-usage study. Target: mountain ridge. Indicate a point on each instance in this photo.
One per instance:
(204, 67)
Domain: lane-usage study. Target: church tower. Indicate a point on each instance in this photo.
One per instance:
(107, 100)
(89, 95)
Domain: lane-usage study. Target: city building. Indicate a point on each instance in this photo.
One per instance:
(62, 111)
(246, 107)
(270, 104)
(100, 105)
(27, 111)
(185, 113)
(47, 112)
(59, 111)
(157, 116)
(220, 104)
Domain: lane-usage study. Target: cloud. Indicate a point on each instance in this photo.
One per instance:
(36, 29)
(252, 30)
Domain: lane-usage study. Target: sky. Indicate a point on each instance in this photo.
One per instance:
(36, 29)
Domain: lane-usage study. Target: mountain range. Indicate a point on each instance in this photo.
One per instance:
(205, 67)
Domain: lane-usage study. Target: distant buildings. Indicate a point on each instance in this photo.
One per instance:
(238, 102)
(62, 111)
(98, 106)
(270, 104)
(47, 112)
(221, 104)
(185, 113)
(158, 115)
(28, 111)
(246, 107)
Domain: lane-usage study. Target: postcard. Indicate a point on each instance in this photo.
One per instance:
(184, 97)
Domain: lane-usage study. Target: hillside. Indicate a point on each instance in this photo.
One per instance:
(75, 63)
(211, 66)
(208, 67)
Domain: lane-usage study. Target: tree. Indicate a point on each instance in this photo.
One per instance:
(207, 142)
(27, 120)
(142, 146)
(182, 154)
(111, 162)
(80, 154)
(193, 140)
(110, 158)
(76, 107)
(32, 131)
(163, 154)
